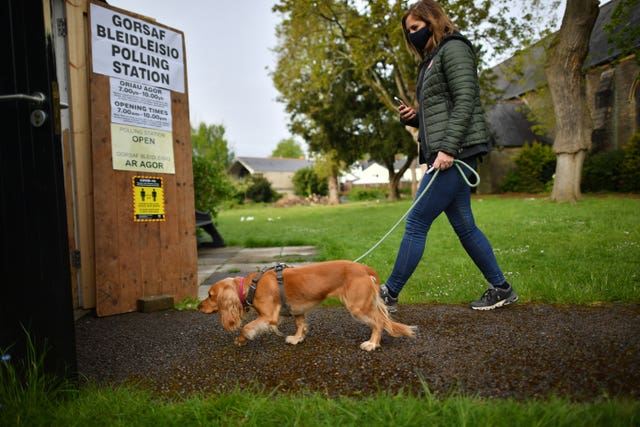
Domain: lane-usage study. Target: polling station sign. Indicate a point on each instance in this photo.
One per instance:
(141, 149)
(133, 49)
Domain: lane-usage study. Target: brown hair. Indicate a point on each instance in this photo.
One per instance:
(430, 12)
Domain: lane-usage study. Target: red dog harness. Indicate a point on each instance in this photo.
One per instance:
(241, 292)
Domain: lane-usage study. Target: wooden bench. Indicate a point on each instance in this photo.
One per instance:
(204, 221)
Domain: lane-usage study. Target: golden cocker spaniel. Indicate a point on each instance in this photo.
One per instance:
(303, 288)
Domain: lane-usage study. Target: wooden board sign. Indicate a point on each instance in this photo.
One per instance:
(145, 242)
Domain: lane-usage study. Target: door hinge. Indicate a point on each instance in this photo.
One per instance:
(62, 27)
(75, 258)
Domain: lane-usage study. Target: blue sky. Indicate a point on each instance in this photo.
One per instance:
(228, 46)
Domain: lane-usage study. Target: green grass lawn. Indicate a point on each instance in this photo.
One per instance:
(583, 253)
(127, 407)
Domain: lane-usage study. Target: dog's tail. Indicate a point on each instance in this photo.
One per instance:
(395, 329)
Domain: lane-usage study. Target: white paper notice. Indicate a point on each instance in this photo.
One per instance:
(134, 49)
(138, 104)
(140, 149)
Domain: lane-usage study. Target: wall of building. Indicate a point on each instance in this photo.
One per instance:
(494, 168)
(282, 182)
(611, 90)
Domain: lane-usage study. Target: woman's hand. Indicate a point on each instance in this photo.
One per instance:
(443, 161)
(406, 113)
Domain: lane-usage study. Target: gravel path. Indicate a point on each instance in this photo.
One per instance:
(522, 351)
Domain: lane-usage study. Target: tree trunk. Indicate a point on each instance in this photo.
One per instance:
(394, 182)
(414, 178)
(395, 178)
(567, 87)
(568, 174)
(414, 163)
(334, 191)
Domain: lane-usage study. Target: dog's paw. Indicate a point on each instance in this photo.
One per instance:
(293, 340)
(240, 341)
(369, 346)
(275, 330)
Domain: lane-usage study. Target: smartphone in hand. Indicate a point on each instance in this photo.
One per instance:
(399, 101)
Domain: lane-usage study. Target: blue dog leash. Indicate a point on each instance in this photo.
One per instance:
(457, 164)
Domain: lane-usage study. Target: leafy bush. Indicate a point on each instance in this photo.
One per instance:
(535, 166)
(617, 170)
(405, 192)
(630, 179)
(360, 193)
(602, 171)
(211, 185)
(259, 190)
(307, 182)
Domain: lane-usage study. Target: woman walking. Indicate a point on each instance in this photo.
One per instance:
(451, 125)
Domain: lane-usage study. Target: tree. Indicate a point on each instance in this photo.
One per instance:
(307, 182)
(211, 157)
(288, 149)
(567, 87)
(211, 185)
(388, 136)
(331, 106)
(209, 142)
(316, 79)
(622, 33)
(324, 42)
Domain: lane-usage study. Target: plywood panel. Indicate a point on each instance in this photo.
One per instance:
(136, 259)
(141, 259)
(66, 144)
(183, 244)
(80, 145)
(107, 255)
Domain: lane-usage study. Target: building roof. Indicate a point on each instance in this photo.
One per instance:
(521, 73)
(268, 164)
(510, 127)
(374, 173)
(364, 164)
(530, 74)
(600, 50)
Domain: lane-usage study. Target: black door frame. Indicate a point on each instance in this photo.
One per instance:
(35, 286)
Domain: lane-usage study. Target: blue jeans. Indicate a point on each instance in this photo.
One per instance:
(451, 195)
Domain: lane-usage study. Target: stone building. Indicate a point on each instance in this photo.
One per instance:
(612, 87)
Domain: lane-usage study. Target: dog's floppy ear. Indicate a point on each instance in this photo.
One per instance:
(231, 310)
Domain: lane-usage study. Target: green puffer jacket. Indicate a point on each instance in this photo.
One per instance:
(451, 115)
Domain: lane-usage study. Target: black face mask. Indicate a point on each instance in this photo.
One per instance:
(420, 38)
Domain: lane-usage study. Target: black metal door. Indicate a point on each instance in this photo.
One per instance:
(35, 281)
